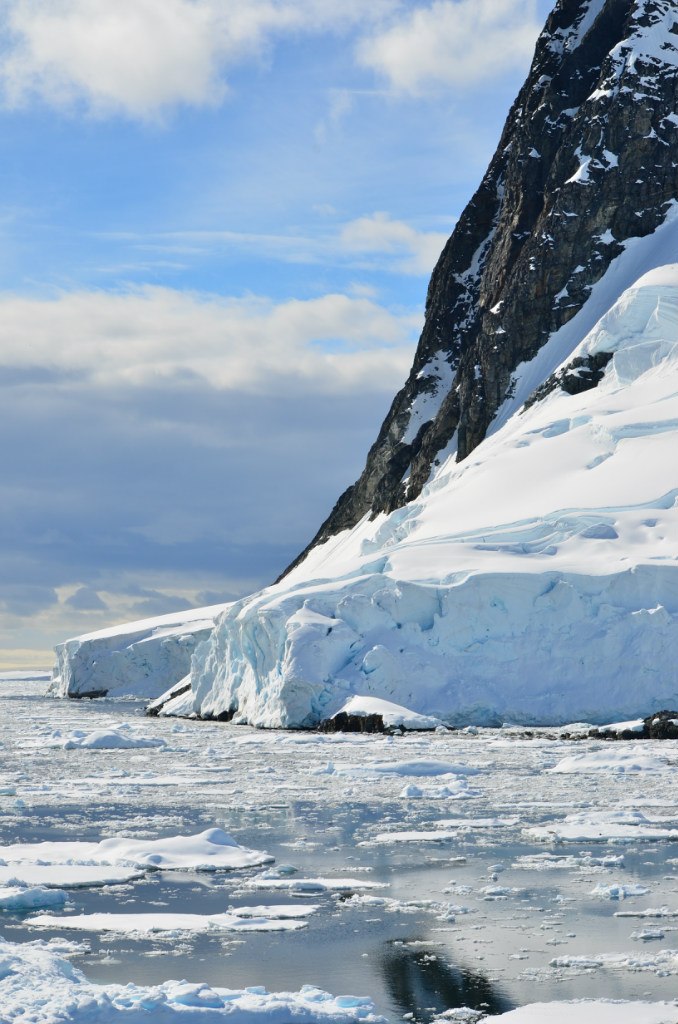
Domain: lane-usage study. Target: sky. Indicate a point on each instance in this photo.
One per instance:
(217, 224)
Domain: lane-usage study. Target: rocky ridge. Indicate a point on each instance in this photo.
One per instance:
(586, 162)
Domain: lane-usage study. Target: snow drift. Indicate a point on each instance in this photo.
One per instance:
(536, 581)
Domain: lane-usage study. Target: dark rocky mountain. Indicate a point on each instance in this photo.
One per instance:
(588, 160)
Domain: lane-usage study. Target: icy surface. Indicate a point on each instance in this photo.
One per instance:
(527, 885)
(140, 658)
(210, 850)
(393, 715)
(603, 1011)
(558, 603)
(39, 987)
(121, 737)
(269, 920)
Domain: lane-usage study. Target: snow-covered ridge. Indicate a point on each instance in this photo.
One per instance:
(537, 581)
(142, 658)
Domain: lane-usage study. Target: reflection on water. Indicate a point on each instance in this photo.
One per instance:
(421, 982)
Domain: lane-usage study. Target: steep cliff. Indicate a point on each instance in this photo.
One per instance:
(587, 161)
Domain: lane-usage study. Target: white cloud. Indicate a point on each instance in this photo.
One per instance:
(141, 57)
(453, 43)
(376, 241)
(332, 343)
(416, 251)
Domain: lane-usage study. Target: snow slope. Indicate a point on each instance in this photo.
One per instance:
(139, 659)
(536, 581)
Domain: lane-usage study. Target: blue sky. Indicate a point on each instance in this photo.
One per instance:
(217, 223)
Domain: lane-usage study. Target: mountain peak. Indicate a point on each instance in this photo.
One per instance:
(585, 165)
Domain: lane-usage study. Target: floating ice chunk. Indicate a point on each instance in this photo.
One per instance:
(65, 876)
(617, 891)
(37, 985)
(657, 912)
(411, 792)
(207, 851)
(413, 836)
(19, 898)
(653, 962)
(648, 934)
(301, 886)
(598, 832)
(566, 862)
(119, 737)
(139, 924)
(499, 892)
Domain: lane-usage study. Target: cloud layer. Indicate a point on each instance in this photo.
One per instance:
(453, 43)
(172, 449)
(334, 343)
(141, 58)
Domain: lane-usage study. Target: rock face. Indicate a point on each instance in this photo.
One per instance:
(586, 162)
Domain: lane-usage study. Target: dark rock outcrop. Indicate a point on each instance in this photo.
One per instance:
(588, 159)
(662, 725)
(344, 722)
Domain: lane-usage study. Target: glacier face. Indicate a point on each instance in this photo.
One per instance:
(140, 659)
(537, 581)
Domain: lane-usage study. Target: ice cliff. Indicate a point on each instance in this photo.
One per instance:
(537, 581)
(140, 659)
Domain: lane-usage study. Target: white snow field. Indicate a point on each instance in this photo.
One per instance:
(557, 603)
(538, 887)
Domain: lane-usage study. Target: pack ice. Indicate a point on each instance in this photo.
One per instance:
(535, 582)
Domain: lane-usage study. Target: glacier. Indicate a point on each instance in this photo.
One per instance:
(535, 582)
(137, 659)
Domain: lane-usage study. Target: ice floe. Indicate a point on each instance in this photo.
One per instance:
(271, 919)
(272, 880)
(618, 891)
(65, 876)
(39, 987)
(21, 898)
(593, 1011)
(603, 826)
(207, 851)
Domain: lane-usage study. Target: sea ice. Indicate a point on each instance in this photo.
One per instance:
(39, 987)
(270, 880)
(140, 923)
(20, 898)
(207, 851)
(593, 1011)
(632, 758)
(65, 876)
